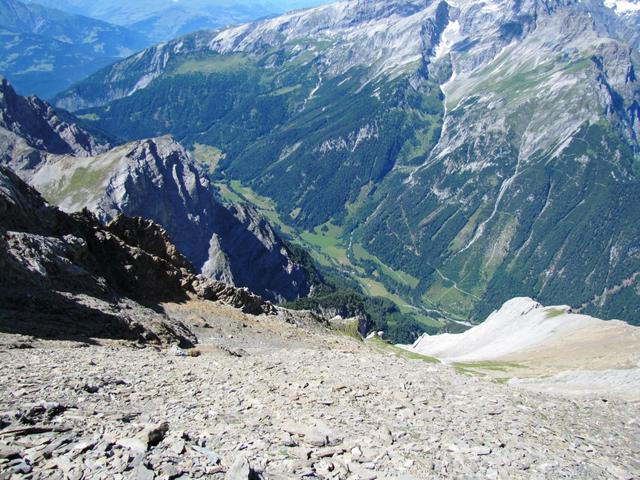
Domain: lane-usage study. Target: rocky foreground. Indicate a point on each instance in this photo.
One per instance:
(265, 397)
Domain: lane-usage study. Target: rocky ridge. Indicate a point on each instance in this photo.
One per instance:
(71, 276)
(31, 128)
(154, 179)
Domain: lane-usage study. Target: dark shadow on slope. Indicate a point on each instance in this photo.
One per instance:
(50, 315)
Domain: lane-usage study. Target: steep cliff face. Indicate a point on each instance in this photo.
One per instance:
(68, 276)
(31, 128)
(486, 149)
(154, 179)
(245, 250)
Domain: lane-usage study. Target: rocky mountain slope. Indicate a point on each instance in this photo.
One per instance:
(475, 151)
(265, 399)
(70, 276)
(45, 50)
(154, 179)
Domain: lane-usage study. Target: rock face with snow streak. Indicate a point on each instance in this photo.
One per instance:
(154, 179)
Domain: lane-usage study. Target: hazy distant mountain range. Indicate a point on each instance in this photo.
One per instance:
(44, 50)
(162, 20)
(48, 45)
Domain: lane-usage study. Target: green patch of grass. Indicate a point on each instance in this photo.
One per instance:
(82, 182)
(442, 295)
(401, 277)
(227, 194)
(285, 90)
(374, 288)
(326, 239)
(383, 345)
(347, 328)
(92, 117)
(358, 203)
(464, 235)
(295, 212)
(554, 312)
(207, 155)
(264, 205)
(501, 380)
(426, 320)
(478, 367)
(83, 179)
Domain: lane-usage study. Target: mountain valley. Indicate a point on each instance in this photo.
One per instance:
(449, 155)
(371, 239)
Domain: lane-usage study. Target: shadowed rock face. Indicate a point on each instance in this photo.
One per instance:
(245, 250)
(155, 179)
(69, 276)
(40, 126)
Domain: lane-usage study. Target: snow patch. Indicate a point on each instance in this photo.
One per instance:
(623, 7)
(450, 36)
(521, 324)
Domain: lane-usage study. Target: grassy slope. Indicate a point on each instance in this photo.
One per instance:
(327, 247)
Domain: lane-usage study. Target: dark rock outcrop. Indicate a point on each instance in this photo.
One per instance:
(70, 276)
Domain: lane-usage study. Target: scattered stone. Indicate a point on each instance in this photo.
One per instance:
(480, 450)
(235, 352)
(135, 444)
(177, 351)
(19, 466)
(316, 438)
(242, 470)
(264, 410)
(177, 447)
(328, 452)
(142, 472)
(211, 456)
(91, 388)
